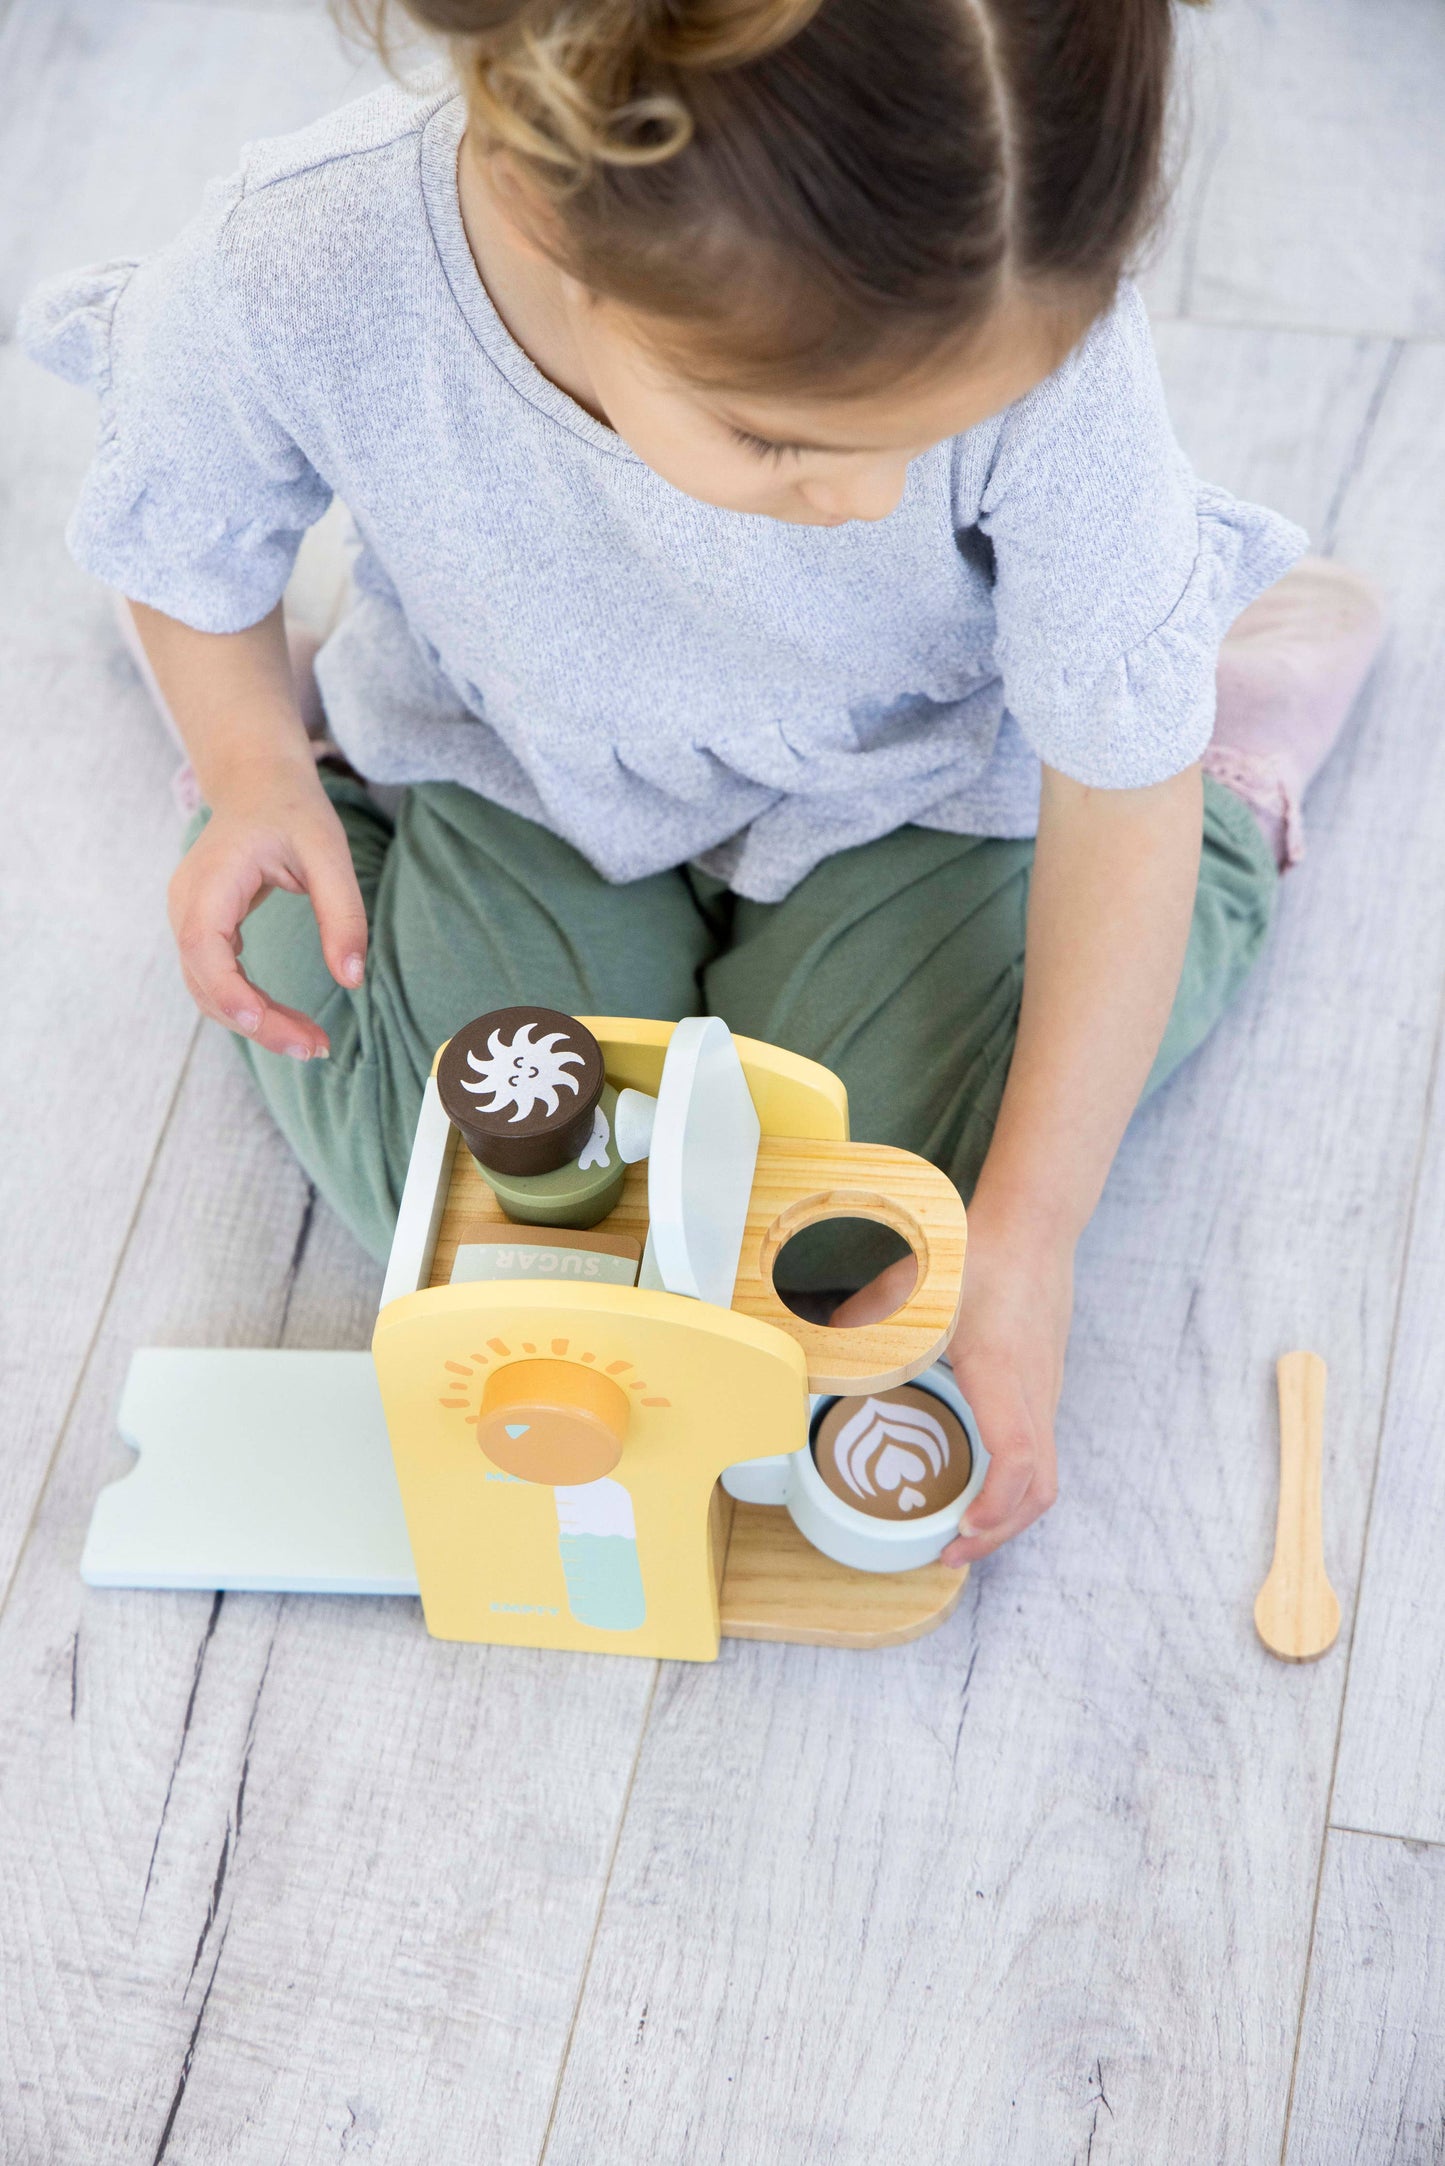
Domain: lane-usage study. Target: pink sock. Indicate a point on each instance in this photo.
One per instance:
(1289, 672)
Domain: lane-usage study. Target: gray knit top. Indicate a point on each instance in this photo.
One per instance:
(545, 620)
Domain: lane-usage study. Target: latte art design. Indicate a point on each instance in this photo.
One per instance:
(887, 1448)
(902, 1454)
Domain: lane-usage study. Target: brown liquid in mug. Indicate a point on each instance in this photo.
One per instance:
(896, 1455)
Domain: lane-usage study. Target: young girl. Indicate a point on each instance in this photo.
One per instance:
(778, 584)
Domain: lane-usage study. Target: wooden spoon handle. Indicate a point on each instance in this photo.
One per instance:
(1299, 1532)
(1297, 1612)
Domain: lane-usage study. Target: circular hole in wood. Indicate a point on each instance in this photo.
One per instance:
(826, 1248)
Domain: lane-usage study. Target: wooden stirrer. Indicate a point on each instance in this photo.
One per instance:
(1297, 1612)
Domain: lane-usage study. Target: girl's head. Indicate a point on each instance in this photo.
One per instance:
(813, 237)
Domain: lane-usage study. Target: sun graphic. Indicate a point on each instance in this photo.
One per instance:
(523, 1074)
(464, 1381)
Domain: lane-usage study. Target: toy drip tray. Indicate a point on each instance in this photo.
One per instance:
(776, 1586)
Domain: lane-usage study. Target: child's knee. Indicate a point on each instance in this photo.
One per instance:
(350, 1122)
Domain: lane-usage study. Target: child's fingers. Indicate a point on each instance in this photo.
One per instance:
(221, 989)
(208, 902)
(995, 1511)
(287, 1030)
(336, 899)
(1007, 1430)
(969, 1548)
(215, 980)
(1016, 1489)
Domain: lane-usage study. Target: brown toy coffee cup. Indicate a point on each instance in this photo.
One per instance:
(522, 1085)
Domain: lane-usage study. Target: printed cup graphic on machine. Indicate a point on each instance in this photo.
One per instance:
(884, 1479)
(562, 1426)
(597, 1539)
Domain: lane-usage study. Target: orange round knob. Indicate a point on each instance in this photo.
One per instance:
(552, 1421)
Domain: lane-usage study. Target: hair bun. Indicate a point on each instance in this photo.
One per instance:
(723, 33)
(579, 83)
(687, 33)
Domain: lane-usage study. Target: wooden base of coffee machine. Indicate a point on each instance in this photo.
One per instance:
(776, 1586)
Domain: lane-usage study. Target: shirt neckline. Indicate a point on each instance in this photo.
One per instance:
(441, 141)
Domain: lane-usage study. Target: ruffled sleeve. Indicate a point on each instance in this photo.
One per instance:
(1117, 573)
(65, 324)
(198, 494)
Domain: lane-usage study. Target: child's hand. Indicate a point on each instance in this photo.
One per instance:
(273, 827)
(1008, 1356)
(1007, 1353)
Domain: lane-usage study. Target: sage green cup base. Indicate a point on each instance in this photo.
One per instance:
(573, 1195)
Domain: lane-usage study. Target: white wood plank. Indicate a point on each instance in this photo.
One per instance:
(1315, 173)
(1371, 2084)
(423, 1198)
(273, 1874)
(123, 1718)
(1391, 1773)
(1308, 400)
(113, 118)
(1045, 1882)
(427, 1829)
(96, 1022)
(117, 112)
(261, 1470)
(427, 1832)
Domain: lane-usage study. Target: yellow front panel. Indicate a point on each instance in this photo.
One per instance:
(496, 1558)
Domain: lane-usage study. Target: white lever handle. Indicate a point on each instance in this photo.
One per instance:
(700, 1167)
(632, 1130)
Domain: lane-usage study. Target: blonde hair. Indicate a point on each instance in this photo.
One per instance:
(802, 190)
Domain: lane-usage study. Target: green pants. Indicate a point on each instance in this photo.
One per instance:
(898, 965)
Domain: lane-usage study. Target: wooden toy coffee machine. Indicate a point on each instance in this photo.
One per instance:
(561, 1404)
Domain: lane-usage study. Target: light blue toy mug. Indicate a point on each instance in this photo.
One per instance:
(848, 1536)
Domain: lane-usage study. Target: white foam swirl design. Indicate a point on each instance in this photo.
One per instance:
(524, 1074)
(885, 1448)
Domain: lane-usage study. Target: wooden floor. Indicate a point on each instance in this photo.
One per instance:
(1086, 1877)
